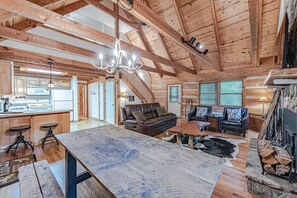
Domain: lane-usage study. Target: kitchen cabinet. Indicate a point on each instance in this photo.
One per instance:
(43, 82)
(32, 82)
(6, 77)
(20, 85)
(62, 83)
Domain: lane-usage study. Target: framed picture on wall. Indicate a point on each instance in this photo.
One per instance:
(131, 98)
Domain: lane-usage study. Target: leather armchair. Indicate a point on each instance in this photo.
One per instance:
(153, 123)
(192, 114)
(237, 126)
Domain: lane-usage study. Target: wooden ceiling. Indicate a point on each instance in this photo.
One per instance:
(239, 34)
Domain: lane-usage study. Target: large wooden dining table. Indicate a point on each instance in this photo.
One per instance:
(129, 164)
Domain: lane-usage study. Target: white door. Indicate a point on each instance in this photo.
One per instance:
(110, 107)
(174, 99)
(101, 101)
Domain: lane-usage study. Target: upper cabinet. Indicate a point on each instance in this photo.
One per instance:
(6, 77)
(20, 85)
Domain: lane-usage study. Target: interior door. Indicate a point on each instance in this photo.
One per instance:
(110, 97)
(101, 101)
(82, 101)
(174, 99)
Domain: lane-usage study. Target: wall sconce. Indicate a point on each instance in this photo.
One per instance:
(197, 47)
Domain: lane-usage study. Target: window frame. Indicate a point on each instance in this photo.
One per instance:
(218, 87)
(220, 93)
(217, 91)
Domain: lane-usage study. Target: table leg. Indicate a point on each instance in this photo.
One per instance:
(191, 141)
(70, 171)
(178, 139)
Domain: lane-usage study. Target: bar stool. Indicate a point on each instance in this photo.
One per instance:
(50, 133)
(20, 138)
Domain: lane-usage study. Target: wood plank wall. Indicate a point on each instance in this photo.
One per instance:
(253, 89)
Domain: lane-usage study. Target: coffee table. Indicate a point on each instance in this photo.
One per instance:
(192, 129)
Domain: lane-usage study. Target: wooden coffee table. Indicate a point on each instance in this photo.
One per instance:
(192, 129)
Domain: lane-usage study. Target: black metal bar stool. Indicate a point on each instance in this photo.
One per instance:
(50, 133)
(20, 138)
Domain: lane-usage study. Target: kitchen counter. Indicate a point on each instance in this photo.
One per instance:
(35, 119)
(12, 114)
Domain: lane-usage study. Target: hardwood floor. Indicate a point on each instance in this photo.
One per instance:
(232, 182)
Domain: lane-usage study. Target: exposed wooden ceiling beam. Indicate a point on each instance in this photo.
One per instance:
(29, 24)
(52, 44)
(255, 16)
(59, 22)
(184, 33)
(146, 48)
(145, 14)
(108, 11)
(216, 29)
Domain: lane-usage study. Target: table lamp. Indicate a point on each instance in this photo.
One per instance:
(263, 99)
(125, 95)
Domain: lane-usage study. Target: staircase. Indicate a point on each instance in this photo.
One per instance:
(138, 86)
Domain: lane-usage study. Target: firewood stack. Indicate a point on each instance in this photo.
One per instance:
(276, 160)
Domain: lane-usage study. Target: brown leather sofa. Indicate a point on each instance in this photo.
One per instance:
(153, 124)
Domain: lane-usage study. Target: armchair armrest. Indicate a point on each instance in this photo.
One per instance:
(192, 112)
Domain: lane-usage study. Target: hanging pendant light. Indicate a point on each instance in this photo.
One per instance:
(51, 84)
(116, 63)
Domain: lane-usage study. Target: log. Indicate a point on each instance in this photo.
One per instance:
(265, 148)
(282, 156)
(270, 160)
(281, 169)
(268, 168)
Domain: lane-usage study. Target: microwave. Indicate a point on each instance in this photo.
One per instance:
(38, 91)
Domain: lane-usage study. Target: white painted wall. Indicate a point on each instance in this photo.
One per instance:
(93, 100)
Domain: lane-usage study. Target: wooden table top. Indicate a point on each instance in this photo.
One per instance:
(130, 164)
(192, 128)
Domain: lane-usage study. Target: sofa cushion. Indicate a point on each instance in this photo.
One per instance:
(201, 111)
(149, 115)
(159, 121)
(154, 107)
(138, 115)
(129, 109)
(235, 123)
(234, 114)
(161, 111)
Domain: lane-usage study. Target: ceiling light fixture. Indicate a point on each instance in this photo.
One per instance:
(43, 71)
(116, 64)
(51, 84)
(198, 47)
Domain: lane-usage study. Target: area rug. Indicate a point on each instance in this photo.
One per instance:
(9, 169)
(222, 147)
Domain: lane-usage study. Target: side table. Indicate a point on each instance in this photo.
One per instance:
(214, 121)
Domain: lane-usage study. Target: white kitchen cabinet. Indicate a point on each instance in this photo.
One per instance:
(20, 85)
(32, 82)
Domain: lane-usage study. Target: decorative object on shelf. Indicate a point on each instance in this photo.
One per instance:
(125, 96)
(131, 98)
(263, 99)
(198, 47)
(51, 84)
(117, 64)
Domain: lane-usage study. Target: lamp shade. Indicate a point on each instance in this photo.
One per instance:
(124, 95)
(263, 99)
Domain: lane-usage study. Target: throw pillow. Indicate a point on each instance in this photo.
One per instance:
(201, 111)
(138, 115)
(161, 111)
(234, 114)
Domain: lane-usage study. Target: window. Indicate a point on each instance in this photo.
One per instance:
(231, 93)
(208, 93)
(174, 94)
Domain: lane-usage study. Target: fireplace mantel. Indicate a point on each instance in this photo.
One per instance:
(285, 75)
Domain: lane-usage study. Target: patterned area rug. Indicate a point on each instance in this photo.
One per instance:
(222, 147)
(9, 169)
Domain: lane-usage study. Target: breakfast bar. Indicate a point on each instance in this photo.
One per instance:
(35, 119)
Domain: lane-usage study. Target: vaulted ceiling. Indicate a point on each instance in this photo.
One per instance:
(239, 34)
